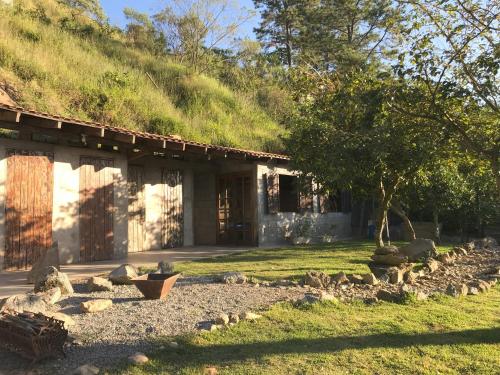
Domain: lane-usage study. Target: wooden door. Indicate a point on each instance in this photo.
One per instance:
(29, 187)
(173, 213)
(96, 209)
(136, 209)
(235, 210)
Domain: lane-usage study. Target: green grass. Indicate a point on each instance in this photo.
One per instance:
(289, 263)
(102, 78)
(439, 336)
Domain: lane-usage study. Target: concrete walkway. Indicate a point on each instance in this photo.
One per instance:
(15, 282)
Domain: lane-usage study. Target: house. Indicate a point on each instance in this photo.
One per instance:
(102, 192)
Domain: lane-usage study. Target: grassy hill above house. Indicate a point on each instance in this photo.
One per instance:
(53, 60)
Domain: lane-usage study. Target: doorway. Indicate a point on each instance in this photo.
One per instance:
(235, 209)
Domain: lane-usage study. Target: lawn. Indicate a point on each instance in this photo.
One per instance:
(290, 263)
(438, 336)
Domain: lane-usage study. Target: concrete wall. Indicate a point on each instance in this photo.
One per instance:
(66, 195)
(272, 229)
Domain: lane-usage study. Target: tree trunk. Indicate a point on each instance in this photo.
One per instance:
(435, 218)
(398, 210)
(384, 201)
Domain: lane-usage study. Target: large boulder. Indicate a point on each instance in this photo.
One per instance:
(418, 249)
(386, 250)
(50, 278)
(165, 267)
(50, 258)
(389, 259)
(123, 274)
(317, 279)
(34, 303)
(99, 284)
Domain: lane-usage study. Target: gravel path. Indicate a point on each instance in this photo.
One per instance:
(132, 323)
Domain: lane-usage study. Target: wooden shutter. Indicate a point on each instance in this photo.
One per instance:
(173, 211)
(28, 207)
(272, 182)
(324, 204)
(306, 198)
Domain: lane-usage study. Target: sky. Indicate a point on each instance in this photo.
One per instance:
(114, 10)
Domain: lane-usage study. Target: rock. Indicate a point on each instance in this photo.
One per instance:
(485, 243)
(96, 305)
(68, 320)
(48, 259)
(481, 285)
(410, 277)
(395, 275)
(51, 296)
(86, 370)
(327, 297)
(165, 267)
(249, 316)
(222, 319)
(284, 282)
(317, 279)
(309, 298)
(384, 278)
(390, 259)
(173, 344)
(432, 265)
(34, 303)
(370, 279)
(50, 278)
(356, 279)
(457, 290)
(138, 359)
(460, 251)
(387, 250)
(419, 248)
(99, 284)
(387, 295)
(215, 327)
(370, 300)
(233, 278)
(473, 291)
(123, 274)
(340, 278)
(469, 246)
(234, 318)
(446, 259)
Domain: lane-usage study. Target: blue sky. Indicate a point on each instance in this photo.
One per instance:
(114, 10)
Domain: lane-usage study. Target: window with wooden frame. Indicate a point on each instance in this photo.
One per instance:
(338, 201)
(283, 194)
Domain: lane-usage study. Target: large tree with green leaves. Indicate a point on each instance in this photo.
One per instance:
(453, 60)
(345, 136)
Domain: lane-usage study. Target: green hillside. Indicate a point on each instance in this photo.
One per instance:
(56, 64)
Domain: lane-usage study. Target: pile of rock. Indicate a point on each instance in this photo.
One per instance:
(228, 320)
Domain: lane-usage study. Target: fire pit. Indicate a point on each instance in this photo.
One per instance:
(156, 285)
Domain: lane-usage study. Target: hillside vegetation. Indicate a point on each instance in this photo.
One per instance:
(54, 60)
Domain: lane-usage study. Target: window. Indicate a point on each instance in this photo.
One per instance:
(339, 201)
(288, 194)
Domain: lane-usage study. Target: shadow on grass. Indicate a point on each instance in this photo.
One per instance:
(194, 355)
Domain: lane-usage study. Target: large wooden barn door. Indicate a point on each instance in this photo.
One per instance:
(136, 209)
(28, 230)
(173, 215)
(96, 209)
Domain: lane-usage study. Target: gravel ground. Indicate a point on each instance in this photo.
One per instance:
(132, 323)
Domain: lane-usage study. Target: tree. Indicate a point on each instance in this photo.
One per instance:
(349, 33)
(91, 8)
(345, 136)
(454, 61)
(140, 30)
(280, 27)
(192, 29)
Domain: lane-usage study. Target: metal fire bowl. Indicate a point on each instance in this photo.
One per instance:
(155, 285)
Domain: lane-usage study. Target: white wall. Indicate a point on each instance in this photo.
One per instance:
(273, 227)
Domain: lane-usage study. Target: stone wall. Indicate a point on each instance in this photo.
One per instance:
(272, 229)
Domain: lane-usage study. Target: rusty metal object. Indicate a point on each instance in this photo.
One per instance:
(34, 336)
(156, 285)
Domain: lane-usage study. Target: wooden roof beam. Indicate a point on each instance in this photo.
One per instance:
(10, 116)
